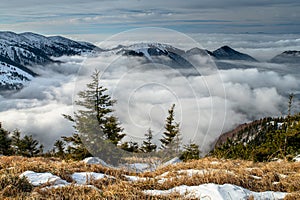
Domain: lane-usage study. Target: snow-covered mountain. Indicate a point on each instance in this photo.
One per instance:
(178, 58)
(18, 51)
(292, 57)
(156, 53)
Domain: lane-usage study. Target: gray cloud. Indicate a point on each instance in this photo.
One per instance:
(113, 16)
(145, 93)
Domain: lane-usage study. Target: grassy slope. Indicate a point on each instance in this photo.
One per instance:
(238, 172)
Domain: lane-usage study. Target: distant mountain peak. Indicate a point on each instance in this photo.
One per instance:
(228, 53)
(291, 56)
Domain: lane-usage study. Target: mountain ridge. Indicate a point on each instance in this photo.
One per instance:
(17, 51)
(30, 49)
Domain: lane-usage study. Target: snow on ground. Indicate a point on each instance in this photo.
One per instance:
(136, 178)
(80, 178)
(217, 192)
(140, 167)
(37, 179)
(297, 158)
(96, 161)
(172, 161)
(86, 177)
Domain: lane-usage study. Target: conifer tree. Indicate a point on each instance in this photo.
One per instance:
(96, 120)
(130, 146)
(76, 148)
(171, 129)
(147, 145)
(16, 142)
(59, 148)
(191, 151)
(291, 97)
(29, 146)
(5, 142)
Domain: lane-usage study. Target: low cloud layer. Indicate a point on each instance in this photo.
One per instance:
(206, 105)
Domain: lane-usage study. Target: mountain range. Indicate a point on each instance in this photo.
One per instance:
(19, 53)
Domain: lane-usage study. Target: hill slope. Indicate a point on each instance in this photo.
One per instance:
(261, 140)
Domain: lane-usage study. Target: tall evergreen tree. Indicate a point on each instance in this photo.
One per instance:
(147, 145)
(171, 129)
(94, 121)
(96, 115)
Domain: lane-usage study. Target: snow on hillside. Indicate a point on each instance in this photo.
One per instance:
(12, 76)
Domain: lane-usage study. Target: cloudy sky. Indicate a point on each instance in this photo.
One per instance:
(113, 16)
(250, 93)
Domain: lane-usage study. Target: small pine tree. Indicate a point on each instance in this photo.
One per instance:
(191, 151)
(29, 147)
(76, 149)
(130, 147)
(171, 129)
(147, 145)
(291, 97)
(5, 142)
(16, 142)
(59, 148)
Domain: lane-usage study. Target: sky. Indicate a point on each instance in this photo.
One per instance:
(113, 16)
(261, 28)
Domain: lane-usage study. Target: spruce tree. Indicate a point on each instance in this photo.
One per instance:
(96, 120)
(171, 129)
(59, 148)
(147, 145)
(130, 146)
(76, 149)
(191, 151)
(5, 142)
(29, 147)
(16, 142)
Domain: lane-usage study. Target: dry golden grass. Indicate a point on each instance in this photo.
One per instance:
(275, 176)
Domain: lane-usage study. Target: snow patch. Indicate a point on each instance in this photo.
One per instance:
(135, 178)
(95, 161)
(297, 158)
(172, 161)
(37, 179)
(217, 192)
(85, 177)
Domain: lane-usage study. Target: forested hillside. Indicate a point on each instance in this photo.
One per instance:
(262, 140)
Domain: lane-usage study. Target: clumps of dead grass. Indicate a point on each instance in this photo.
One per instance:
(272, 176)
